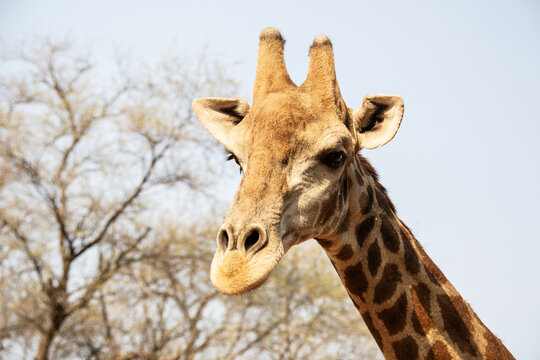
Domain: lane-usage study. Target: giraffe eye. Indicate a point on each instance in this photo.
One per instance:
(333, 159)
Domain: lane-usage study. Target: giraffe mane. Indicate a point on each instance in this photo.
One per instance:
(375, 175)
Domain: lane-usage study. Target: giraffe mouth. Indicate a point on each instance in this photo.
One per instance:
(236, 272)
(290, 239)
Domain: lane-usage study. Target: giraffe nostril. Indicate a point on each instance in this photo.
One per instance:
(251, 240)
(223, 240)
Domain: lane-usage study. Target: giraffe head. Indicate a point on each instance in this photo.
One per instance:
(294, 146)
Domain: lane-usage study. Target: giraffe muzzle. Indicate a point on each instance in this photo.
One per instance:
(244, 259)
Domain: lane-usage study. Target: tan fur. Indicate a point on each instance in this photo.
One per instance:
(272, 76)
(291, 192)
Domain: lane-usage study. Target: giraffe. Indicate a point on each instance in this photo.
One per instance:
(304, 177)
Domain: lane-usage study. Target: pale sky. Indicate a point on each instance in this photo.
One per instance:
(464, 169)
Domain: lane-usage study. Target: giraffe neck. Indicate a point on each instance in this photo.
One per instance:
(411, 309)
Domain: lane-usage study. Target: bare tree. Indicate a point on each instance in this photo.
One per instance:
(101, 178)
(80, 168)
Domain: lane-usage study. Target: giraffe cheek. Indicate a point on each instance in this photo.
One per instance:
(298, 218)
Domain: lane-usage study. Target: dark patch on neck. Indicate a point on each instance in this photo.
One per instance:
(388, 284)
(376, 335)
(374, 257)
(433, 272)
(355, 280)
(345, 253)
(424, 296)
(325, 243)
(412, 263)
(416, 324)
(366, 201)
(344, 226)
(406, 349)
(455, 326)
(421, 317)
(439, 351)
(394, 318)
(364, 229)
(384, 202)
(389, 235)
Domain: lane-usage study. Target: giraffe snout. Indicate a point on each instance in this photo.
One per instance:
(244, 258)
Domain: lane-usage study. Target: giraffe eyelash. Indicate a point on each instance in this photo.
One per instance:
(231, 156)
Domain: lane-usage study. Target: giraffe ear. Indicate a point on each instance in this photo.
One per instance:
(378, 120)
(220, 115)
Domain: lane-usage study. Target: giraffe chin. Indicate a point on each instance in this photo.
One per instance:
(236, 272)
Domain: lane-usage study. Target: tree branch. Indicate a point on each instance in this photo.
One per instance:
(38, 267)
(120, 210)
(105, 274)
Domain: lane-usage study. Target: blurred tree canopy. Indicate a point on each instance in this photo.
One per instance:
(107, 221)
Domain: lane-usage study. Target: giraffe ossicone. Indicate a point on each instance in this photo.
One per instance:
(304, 178)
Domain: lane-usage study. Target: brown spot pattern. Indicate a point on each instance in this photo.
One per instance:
(406, 349)
(412, 263)
(355, 280)
(345, 253)
(423, 294)
(376, 335)
(416, 324)
(382, 200)
(366, 166)
(465, 311)
(439, 351)
(421, 319)
(388, 284)
(433, 272)
(389, 235)
(374, 257)
(366, 201)
(455, 326)
(328, 209)
(324, 243)
(364, 229)
(344, 226)
(394, 318)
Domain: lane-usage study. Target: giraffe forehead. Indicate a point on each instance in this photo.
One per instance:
(283, 115)
(286, 123)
